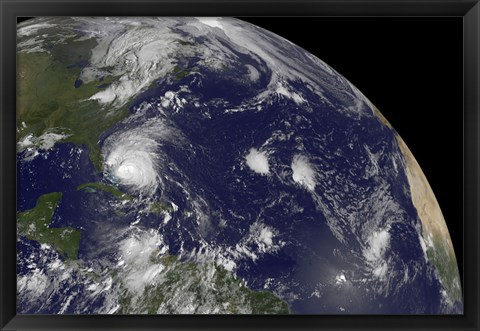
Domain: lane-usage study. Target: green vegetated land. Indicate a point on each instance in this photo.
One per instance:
(447, 269)
(180, 73)
(93, 187)
(34, 224)
(210, 286)
(47, 98)
(159, 208)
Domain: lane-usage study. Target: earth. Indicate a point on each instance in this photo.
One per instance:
(208, 166)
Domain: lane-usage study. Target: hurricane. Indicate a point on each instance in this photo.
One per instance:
(132, 161)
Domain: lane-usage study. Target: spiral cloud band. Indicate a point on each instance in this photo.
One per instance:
(131, 160)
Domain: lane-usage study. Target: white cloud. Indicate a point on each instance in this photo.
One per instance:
(257, 161)
(253, 73)
(260, 240)
(423, 245)
(136, 251)
(31, 29)
(266, 236)
(133, 157)
(132, 161)
(214, 22)
(35, 283)
(378, 243)
(303, 173)
(46, 141)
(340, 279)
(281, 89)
(381, 270)
(32, 145)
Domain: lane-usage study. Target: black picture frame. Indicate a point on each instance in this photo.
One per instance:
(468, 9)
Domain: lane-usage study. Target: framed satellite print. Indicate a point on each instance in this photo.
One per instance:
(244, 166)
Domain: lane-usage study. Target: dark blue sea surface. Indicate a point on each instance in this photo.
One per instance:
(61, 169)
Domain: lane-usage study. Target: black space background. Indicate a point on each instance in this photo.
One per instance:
(411, 68)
